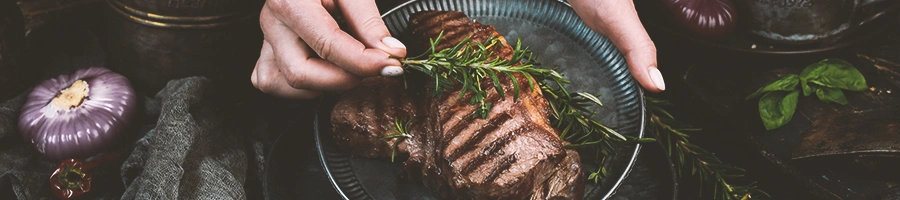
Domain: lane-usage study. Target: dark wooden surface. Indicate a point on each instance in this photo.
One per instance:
(709, 84)
(12, 36)
(698, 78)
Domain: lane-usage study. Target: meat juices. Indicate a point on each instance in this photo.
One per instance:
(513, 154)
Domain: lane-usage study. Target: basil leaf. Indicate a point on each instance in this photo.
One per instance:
(785, 83)
(833, 73)
(777, 108)
(828, 94)
(812, 71)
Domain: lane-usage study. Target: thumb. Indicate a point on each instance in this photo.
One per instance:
(619, 21)
(641, 58)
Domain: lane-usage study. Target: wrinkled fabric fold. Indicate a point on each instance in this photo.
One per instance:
(189, 145)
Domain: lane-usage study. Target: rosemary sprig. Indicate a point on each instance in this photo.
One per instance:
(687, 156)
(402, 133)
(470, 63)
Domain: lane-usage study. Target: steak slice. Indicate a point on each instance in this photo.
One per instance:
(456, 26)
(365, 114)
(510, 155)
(566, 182)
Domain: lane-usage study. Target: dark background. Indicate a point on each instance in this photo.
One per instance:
(57, 32)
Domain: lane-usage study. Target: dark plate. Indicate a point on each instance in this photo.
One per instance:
(558, 36)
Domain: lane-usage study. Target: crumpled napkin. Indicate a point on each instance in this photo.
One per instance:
(189, 146)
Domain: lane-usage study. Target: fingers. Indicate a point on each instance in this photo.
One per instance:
(642, 64)
(316, 27)
(366, 24)
(330, 6)
(618, 20)
(268, 78)
(299, 64)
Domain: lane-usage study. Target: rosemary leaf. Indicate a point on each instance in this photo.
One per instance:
(590, 97)
(497, 84)
(699, 162)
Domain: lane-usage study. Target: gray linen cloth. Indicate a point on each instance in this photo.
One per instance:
(186, 146)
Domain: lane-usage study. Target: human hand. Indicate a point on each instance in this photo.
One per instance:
(305, 52)
(618, 20)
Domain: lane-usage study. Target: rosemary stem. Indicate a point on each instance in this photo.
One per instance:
(502, 68)
(705, 166)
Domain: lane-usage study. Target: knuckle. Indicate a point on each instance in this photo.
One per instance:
(265, 86)
(297, 79)
(263, 18)
(267, 19)
(324, 45)
(372, 23)
(276, 4)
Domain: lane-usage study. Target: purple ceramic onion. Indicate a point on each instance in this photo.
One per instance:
(77, 115)
(706, 18)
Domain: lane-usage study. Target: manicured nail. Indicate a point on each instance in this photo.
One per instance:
(657, 78)
(391, 71)
(393, 43)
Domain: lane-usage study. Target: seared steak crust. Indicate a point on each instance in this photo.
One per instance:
(366, 113)
(513, 154)
(506, 156)
(456, 26)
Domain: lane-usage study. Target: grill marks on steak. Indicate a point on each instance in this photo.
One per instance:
(507, 155)
(567, 182)
(513, 154)
(366, 113)
(456, 26)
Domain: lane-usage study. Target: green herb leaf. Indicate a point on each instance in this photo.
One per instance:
(833, 73)
(786, 83)
(777, 108)
(828, 94)
(496, 80)
(594, 176)
(515, 84)
(700, 163)
(402, 133)
(591, 97)
(811, 71)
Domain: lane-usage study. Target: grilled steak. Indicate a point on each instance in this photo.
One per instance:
(513, 154)
(366, 113)
(455, 26)
(564, 183)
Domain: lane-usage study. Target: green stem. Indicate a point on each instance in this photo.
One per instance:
(500, 68)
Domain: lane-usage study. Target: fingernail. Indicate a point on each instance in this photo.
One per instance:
(657, 78)
(391, 71)
(393, 42)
